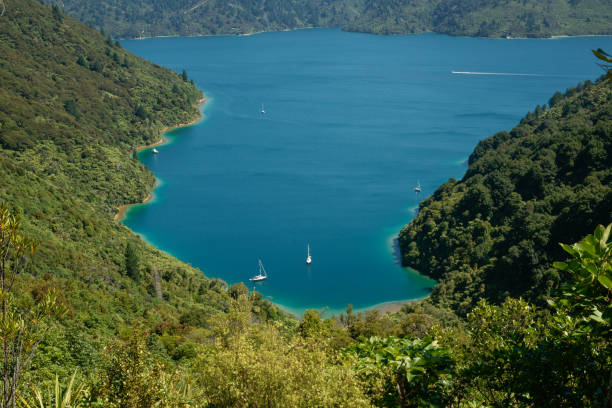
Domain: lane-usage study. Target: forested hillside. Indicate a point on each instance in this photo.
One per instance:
(483, 18)
(495, 233)
(133, 18)
(517, 18)
(73, 107)
(109, 321)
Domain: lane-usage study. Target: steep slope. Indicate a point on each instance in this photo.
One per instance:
(485, 18)
(395, 17)
(534, 18)
(495, 232)
(132, 18)
(73, 107)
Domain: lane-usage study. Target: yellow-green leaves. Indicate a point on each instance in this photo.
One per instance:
(261, 368)
(604, 56)
(71, 395)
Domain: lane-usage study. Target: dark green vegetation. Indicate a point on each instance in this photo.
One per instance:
(109, 321)
(484, 18)
(133, 18)
(495, 232)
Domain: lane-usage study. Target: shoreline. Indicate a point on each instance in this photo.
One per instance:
(391, 307)
(552, 37)
(122, 209)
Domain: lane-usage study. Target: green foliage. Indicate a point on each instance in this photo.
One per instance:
(132, 261)
(519, 356)
(257, 366)
(494, 233)
(24, 322)
(129, 375)
(59, 396)
(416, 372)
(237, 290)
(588, 296)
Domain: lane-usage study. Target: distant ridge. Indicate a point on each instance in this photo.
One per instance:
(479, 18)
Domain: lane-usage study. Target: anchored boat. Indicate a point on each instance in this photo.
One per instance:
(262, 275)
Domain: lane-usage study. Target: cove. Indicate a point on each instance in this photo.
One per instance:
(353, 122)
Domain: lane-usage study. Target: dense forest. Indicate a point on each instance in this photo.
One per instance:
(483, 18)
(73, 107)
(92, 316)
(495, 233)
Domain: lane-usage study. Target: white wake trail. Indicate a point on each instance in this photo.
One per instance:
(491, 73)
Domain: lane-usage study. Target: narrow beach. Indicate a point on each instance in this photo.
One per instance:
(122, 209)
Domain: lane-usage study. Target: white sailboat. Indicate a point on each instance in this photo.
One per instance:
(262, 111)
(155, 151)
(262, 275)
(417, 189)
(308, 257)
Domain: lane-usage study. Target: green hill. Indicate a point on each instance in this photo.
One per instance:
(532, 18)
(484, 18)
(495, 233)
(131, 18)
(73, 107)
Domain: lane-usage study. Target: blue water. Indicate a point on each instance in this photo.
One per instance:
(352, 123)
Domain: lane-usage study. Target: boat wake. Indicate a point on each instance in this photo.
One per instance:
(491, 73)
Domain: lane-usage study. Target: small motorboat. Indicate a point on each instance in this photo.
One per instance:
(308, 257)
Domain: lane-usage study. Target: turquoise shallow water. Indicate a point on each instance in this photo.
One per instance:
(352, 123)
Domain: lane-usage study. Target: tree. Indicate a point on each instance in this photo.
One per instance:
(82, 62)
(71, 107)
(237, 290)
(184, 75)
(57, 13)
(129, 377)
(21, 328)
(141, 112)
(132, 262)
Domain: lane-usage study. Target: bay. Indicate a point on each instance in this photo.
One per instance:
(352, 123)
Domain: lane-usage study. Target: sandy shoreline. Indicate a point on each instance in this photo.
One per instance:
(390, 307)
(121, 210)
